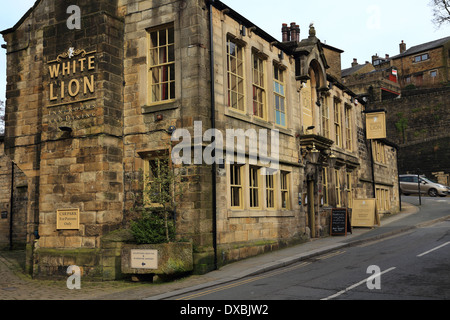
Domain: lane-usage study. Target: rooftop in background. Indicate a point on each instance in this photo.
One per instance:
(353, 69)
(423, 47)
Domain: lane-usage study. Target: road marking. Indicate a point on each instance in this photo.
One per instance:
(357, 284)
(240, 283)
(330, 255)
(432, 250)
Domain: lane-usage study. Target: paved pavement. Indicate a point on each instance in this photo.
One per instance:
(14, 285)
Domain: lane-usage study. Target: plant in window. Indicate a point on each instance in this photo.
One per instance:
(162, 192)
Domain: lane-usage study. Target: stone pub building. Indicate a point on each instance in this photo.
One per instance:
(89, 110)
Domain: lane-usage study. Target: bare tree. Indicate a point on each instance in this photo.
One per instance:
(441, 12)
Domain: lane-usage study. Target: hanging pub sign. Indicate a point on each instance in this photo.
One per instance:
(376, 125)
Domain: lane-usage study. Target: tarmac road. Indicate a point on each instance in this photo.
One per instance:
(414, 266)
(14, 285)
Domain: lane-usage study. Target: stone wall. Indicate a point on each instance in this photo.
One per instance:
(418, 123)
(146, 124)
(20, 200)
(64, 126)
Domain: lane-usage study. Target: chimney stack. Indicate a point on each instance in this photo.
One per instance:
(402, 47)
(354, 63)
(285, 31)
(295, 32)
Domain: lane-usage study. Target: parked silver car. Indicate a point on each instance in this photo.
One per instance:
(409, 185)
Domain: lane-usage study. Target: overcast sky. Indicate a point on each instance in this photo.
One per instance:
(361, 28)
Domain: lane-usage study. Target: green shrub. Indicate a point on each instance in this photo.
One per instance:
(151, 228)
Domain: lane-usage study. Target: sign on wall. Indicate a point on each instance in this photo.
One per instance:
(68, 219)
(144, 259)
(376, 125)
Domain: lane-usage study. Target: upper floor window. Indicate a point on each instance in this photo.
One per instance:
(337, 123)
(235, 70)
(422, 57)
(279, 95)
(259, 92)
(348, 128)
(162, 64)
(326, 119)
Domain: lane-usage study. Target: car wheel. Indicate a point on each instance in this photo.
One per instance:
(432, 193)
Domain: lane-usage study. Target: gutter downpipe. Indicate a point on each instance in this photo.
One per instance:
(213, 126)
(11, 205)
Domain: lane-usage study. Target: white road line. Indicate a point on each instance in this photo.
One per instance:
(425, 253)
(357, 284)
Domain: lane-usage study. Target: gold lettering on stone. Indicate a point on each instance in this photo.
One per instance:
(68, 76)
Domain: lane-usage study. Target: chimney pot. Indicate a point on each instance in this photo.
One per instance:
(402, 47)
(355, 62)
(294, 32)
(285, 31)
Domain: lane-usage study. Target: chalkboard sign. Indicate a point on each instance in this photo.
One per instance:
(340, 222)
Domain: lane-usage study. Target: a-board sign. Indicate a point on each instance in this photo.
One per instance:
(365, 213)
(340, 223)
(144, 259)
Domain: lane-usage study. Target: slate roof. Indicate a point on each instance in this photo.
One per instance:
(352, 70)
(423, 47)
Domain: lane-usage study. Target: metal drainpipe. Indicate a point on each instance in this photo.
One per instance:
(213, 126)
(11, 205)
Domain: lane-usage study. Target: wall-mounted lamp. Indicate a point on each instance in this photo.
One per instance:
(314, 155)
(332, 160)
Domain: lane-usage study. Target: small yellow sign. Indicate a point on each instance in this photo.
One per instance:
(68, 219)
(376, 125)
(364, 213)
